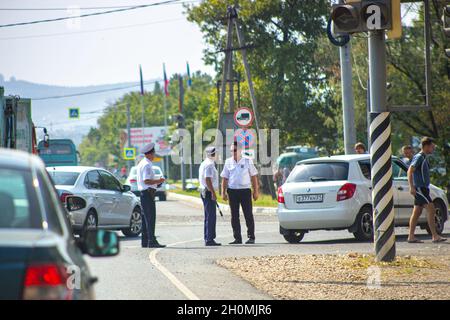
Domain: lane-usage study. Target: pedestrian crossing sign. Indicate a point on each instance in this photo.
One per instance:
(74, 113)
(129, 153)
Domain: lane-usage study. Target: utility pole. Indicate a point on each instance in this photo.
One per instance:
(128, 133)
(166, 157)
(368, 113)
(181, 101)
(380, 150)
(348, 101)
(227, 78)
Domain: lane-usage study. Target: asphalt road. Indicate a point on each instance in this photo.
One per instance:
(186, 269)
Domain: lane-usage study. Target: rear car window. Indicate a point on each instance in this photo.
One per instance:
(319, 171)
(157, 171)
(64, 178)
(18, 201)
(365, 168)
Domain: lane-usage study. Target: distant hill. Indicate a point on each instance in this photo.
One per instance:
(53, 113)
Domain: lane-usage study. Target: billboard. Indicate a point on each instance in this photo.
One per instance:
(140, 137)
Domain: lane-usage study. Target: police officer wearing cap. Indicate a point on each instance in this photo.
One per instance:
(147, 185)
(239, 175)
(209, 183)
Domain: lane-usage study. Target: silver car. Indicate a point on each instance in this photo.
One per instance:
(131, 181)
(110, 205)
(38, 253)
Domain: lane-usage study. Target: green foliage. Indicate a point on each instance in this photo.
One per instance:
(104, 143)
(291, 90)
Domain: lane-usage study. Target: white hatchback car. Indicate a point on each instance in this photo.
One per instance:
(334, 193)
(131, 181)
(110, 205)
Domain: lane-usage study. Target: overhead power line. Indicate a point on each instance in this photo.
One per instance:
(80, 8)
(95, 91)
(89, 14)
(89, 31)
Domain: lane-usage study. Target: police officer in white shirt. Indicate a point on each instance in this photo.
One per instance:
(147, 185)
(209, 184)
(239, 174)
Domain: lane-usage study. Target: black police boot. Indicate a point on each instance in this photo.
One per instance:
(212, 243)
(156, 245)
(236, 242)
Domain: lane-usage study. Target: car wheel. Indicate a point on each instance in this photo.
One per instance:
(90, 223)
(135, 228)
(439, 218)
(364, 225)
(294, 236)
(162, 197)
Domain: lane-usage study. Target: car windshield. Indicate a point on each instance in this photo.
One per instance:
(319, 171)
(157, 171)
(64, 178)
(18, 201)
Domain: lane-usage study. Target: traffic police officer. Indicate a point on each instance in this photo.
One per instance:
(147, 185)
(239, 174)
(209, 183)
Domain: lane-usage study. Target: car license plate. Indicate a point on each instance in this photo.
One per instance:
(309, 198)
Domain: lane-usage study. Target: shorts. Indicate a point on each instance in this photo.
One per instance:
(422, 197)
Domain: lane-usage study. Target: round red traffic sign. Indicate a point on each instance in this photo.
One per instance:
(243, 117)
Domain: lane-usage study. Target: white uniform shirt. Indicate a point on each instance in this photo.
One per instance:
(239, 173)
(208, 170)
(145, 172)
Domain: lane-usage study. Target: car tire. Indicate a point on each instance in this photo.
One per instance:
(90, 223)
(135, 228)
(294, 236)
(364, 225)
(162, 197)
(439, 218)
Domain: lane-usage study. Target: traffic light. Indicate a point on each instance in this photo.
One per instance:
(362, 16)
(396, 30)
(179, 119)
(446, 21)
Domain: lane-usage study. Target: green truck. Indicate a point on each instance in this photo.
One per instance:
(17, 130)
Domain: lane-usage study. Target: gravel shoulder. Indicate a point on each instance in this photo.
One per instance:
(350, 276)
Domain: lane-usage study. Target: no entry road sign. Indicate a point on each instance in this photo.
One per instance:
(244, 117)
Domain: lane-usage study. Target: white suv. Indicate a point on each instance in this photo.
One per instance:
(334, 193)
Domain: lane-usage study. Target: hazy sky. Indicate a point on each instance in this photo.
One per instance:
(148, 36)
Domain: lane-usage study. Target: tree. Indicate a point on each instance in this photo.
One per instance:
(289, 83)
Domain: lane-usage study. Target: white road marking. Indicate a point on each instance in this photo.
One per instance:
(169, 275)
(174, 280)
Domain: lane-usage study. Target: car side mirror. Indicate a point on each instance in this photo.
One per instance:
(126, 188)
(100, 243)
(74, 203)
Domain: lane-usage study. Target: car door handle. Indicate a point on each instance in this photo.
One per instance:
(400, 188)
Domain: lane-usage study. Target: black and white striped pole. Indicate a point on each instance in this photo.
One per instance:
(380, 151)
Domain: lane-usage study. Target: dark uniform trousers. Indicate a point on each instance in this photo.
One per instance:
(210, 216)
(148, 216)
(243, 198)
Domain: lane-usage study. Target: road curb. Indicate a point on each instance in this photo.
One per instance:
(224, 207)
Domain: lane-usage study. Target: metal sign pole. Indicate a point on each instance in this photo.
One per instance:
(381, 151)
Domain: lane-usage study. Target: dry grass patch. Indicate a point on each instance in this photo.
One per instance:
(350, 276)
